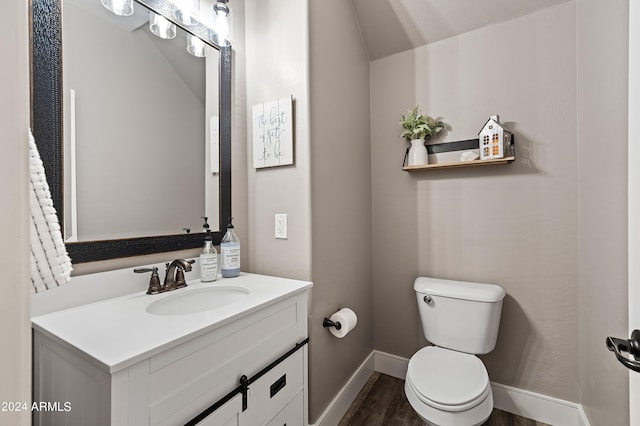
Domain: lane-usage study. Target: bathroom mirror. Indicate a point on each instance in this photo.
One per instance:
(54, 120)
(138, 103)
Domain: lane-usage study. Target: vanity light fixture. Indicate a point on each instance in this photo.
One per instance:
(195, 46)
(186, 11)
(221, 24)
(119, 7)
(160, 26)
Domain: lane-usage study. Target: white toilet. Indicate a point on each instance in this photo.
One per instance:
(447, 384)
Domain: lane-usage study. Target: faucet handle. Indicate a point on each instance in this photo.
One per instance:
(180, 270)
(180, 276)
(154, 282)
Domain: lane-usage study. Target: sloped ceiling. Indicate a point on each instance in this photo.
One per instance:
(393, 26)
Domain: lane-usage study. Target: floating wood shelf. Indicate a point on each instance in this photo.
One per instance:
(459, 164)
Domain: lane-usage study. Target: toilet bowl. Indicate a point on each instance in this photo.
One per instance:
(447, 384)
(448, 388)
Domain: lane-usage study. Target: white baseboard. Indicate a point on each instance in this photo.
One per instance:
(391, 365)
(583, 420)
(338, 407)
(538, 407)
(523, 403)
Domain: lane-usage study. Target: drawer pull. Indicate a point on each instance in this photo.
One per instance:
(278, 385)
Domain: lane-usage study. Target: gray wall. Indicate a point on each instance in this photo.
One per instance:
(15, 325)
(327, 74)
(602, 57)
(340, 196)
(276, 66)
(514, 225)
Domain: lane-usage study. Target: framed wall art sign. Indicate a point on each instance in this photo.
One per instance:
(272, 124)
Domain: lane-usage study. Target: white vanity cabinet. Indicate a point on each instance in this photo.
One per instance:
(175, 382)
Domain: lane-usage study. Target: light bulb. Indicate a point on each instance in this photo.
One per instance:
(195, 46)
(186, 11)
(119, 7)
(221, 34)
(160, 26)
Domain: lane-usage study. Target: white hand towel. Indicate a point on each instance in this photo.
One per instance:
(50, 263)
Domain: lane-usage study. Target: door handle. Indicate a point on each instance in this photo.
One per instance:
(631, 346)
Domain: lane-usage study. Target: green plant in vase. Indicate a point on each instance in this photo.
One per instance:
(417, 128)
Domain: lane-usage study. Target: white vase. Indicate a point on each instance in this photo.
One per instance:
(417, 153)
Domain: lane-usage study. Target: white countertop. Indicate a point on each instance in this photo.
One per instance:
(119, 332)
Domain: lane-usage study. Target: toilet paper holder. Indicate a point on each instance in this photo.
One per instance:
(326, 322)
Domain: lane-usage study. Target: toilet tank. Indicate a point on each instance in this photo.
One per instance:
(458, 315)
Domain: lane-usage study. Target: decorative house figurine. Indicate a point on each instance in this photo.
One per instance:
(496, 141)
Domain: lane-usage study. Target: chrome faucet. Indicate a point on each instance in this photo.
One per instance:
(173, 279)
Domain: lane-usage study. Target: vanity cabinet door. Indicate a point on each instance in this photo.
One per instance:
(230, 414)
(276, 389)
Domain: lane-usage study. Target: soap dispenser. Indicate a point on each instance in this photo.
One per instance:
(208, 257)
(230, 253)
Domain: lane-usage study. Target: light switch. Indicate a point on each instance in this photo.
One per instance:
(281, 226)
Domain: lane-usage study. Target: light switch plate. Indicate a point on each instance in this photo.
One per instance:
(281, 226)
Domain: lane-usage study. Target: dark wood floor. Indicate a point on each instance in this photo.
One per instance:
(382, 403)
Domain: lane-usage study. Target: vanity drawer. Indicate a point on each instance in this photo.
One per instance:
(230, 414)
(291, 415)
(273, 391)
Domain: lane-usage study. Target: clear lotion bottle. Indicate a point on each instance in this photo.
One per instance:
(208, 257)
(230, 253)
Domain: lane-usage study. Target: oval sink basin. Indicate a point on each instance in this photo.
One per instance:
(198, 300)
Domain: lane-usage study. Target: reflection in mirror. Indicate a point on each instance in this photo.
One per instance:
(47, 124)
(135, 110)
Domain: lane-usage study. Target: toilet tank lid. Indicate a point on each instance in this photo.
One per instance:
(464, 290)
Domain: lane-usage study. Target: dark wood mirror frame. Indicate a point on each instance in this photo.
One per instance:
(47, 128)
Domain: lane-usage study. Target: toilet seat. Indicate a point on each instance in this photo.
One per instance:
(448, 380)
